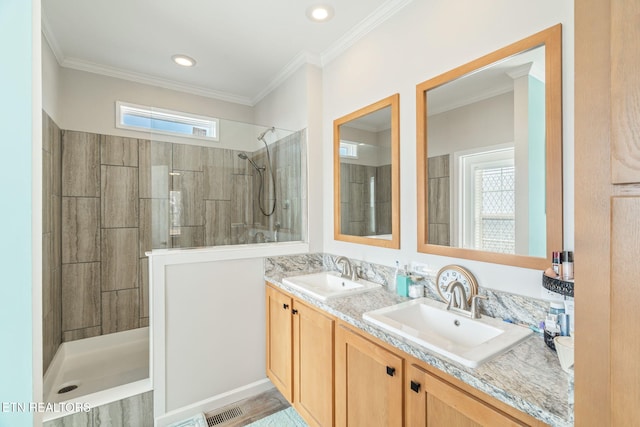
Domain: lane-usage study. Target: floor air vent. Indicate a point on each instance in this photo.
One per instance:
(224, 416)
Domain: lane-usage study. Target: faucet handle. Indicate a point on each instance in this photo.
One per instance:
(475, 314)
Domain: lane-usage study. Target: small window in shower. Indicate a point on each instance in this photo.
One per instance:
(157, 120)
(348, 150)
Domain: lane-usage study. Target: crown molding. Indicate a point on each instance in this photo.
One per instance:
(381, 14)
(287, 71)
(377, 17)
(51, 40)
(91, 67)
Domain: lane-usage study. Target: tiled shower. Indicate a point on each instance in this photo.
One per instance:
(108, 199)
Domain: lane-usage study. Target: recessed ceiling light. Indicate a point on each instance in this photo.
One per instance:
(184, 60)
(320, 12)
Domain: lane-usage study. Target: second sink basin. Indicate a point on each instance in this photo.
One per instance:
(468, 341)
(328, 284)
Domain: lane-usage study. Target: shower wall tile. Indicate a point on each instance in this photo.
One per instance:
(119, 196)
(119, 258)
(80, 295)
(120, 310)
(155, 162)
(154, 225)
(79, 334)
(134, 411)
(239, 235)
(383, 183)
(438, 204)
(56, 230)
(144, 321)
(241, 199)
(189, 184)
(47, 192)
(218, 168)
(79, 419)
(81, 229)
(118, 151)
(144, 287)
(187, 157)
(80, 164)
(217, 228)
(46, 132)
(438, 167)
(439, 234)
(189, 237)
(56, 160)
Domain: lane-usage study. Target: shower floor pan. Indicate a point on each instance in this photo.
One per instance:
(100, 369)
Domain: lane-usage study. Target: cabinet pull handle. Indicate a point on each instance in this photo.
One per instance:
(294, 311)
(391, 371)
(285, 306)
(415, 386)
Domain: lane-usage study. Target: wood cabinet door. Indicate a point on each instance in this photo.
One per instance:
(369, 383)
(433, 402)
(313, 337)
(279, 342)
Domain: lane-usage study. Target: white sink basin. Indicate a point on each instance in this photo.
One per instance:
(468, 341)
(328, 285)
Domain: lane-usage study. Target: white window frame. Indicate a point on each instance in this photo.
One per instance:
(464, 165)
(351, 149)
(210, 125)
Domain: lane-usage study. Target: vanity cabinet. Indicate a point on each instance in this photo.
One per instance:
(327, 367)
(432, 402)
(300, 356)
(368, 382)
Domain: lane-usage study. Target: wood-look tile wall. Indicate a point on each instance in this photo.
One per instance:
(439, 200)
(101, 255)
(355, 194)
(287, 156)
(116, 204)
(51, 239)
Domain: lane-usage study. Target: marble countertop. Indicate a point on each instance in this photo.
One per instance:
(527, 377)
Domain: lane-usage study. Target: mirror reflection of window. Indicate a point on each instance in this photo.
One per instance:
(488, 205)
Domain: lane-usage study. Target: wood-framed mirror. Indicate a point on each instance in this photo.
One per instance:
(489, 156)
(366, 175)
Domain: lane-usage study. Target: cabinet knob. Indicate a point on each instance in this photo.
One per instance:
(391, 371)
(294, 311)
(415, 386)
(285, 306)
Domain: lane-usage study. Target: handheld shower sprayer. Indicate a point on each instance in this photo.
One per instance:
(244, 156)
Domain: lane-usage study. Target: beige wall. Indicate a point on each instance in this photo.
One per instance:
(420, 42)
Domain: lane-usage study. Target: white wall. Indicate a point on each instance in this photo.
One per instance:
(215, 335)
(297, 104)
(422, 41)
(50, 82)
(87, 103)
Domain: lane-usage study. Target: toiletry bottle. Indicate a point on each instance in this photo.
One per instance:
(394, 281)
(567, 265)
(402, 283)
(555, 261)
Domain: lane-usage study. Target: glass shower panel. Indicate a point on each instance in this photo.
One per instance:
(236, 192)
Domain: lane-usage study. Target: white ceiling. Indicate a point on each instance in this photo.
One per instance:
(243, 48)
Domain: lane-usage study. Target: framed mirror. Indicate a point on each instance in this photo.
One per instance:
(489, 156)
(366, 175)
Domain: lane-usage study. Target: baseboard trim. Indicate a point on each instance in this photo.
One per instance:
(214, 402)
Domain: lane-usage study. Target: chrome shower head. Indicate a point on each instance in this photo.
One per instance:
(243, 155)
(261, 136)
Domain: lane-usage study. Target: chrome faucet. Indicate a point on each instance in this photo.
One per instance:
(348, 272)
(458, 301)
